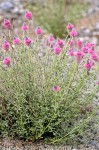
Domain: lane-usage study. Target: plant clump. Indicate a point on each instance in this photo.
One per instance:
(45, 84)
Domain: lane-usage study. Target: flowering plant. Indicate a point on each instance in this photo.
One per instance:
(45, 83)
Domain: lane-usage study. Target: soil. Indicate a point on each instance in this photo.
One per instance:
(8, 144)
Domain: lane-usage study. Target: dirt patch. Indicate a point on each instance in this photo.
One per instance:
(9, 144)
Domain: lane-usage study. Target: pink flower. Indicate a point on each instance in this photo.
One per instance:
(79, 56)
(71, 52)
(56, 88)
(90, 45)
(60, 43)
(38, 31)
(57, 50)
(16, 41)
(91, 51)
(70, 26)
(7, 61)
(25, 27)
(7, 24)
(88, 65)
(6, 45)
(85, 49)
(79, 43)
(94, 56)
(28, 15)
(50, 39)
(28, 41)
(97, 83)
(71, 43)
(73, 33)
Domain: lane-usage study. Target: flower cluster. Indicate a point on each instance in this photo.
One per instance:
(77, 49)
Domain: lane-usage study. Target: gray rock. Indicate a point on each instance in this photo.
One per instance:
(91, 10)
(94, 143)
(97, 145)
(93, 2)
(85, 32)
(96, 9)
(18, 11)
(95, 34)
(6, 6)
(97, 26)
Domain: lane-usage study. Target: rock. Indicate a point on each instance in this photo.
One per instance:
(93, 2)
(96, 9)
(96, 34)
(97, 26)
(18, 11)
(91, 10)
(6, 6)
(85, 32)
(95, 143)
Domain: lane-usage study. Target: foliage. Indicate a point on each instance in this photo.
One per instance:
(54, 15)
